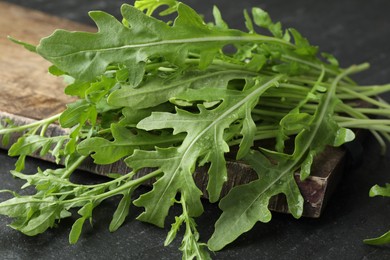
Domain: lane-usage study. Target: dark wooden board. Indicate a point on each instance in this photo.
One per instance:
(28, 93)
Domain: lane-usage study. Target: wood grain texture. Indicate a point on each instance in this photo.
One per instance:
(28, 93)
(26, 87)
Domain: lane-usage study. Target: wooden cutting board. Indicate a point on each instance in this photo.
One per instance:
(28, 92)
(26, 87)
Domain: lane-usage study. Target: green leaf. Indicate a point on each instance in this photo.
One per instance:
(86, 210)
(248, 22)
(121, 212)
(20, 163)
(343, 135)
(380, 191)
(75, 232)
(174, 229)
(76, 113)
(302, 44)
(125, 142)
(219, 22)
(27, 145)
(170, 97)
(331, 59)
(77, 88)
(98, 90)
(26, 45)
(16, 206)
(204, 139)
(246, 204)
(262, 19)
(53, 70)
(256, 63)
(159, 90)
(57, 151)
(248, 131)
(151, 5)
(85, 56)
(5, 138)
(132, 116)
(42, 221)
(177, 177)
(122, 75)
(384, 239)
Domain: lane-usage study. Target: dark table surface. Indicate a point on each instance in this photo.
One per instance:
(355, 31)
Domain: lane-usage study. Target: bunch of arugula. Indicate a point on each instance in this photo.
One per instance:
(169, 96)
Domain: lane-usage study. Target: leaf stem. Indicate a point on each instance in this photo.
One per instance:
(21, 128)
(129, 184)
(73, 167)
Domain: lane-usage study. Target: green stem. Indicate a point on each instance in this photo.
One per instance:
(44, 129)
(363, 122)
(374, 111)
(357, 125)
(355, 113)
(367, 99)
(319, 67)
(190, 229)
(37, 124)
(128, 185)
(73, 167)
(366, 91)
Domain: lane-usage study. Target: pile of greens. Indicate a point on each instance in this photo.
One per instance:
(173, 96)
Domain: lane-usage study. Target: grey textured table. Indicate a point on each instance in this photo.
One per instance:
(355, 31)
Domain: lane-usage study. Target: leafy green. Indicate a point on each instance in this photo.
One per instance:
(132, 45)
(121, 212)
(247, 204)
(380, 191)
(385, 192)
(384, 239)
(167, 98)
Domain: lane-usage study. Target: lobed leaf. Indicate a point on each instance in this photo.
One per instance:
(86, 55)
(125, 142)
(177, 177)
(151, 5)
(246, 204)
(204, 139)
(174, 229)
(157, 91)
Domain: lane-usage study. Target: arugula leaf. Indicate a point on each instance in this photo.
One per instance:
(86, 55)
(205, 139)
(121, 212)
(380, 191)
(151, 5)
(126, 141)
(262, 19)
(168, 96)
(247, 204)
(385, 238)
(159, 90)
